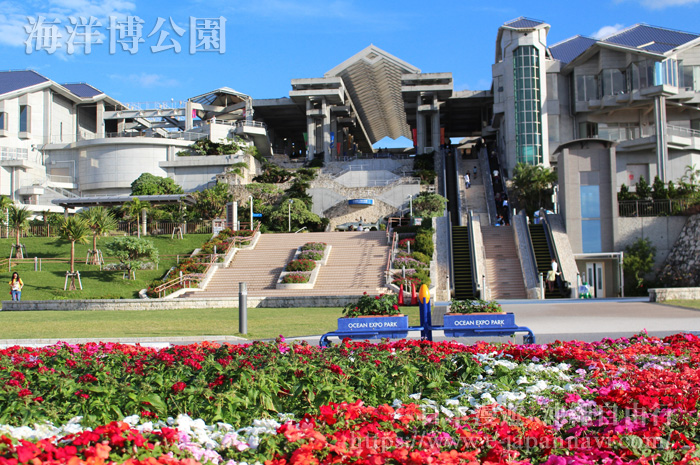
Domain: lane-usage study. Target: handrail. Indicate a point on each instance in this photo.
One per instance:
(553, 252)
(394, 241)
(180, 280)
(472, 257)
(531, 247)
(299, 230)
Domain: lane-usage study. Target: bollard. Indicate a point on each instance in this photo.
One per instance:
(424, 310)
(36, 263)
(242, 308)
(542, 286)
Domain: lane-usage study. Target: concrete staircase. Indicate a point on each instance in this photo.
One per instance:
(503, 272)
(356, 265)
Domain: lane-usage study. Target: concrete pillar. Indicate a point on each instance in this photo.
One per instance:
(144, 217)
(100, 120)
(326, 125)
(420, 128)
(333, 153)
(189, 123)
(435, 128)
(661, 146)
(310, 132)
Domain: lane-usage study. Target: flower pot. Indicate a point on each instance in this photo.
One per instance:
(464, 324)
(365, 327)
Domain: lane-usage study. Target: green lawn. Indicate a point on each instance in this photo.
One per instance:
(263, 323)
(48, 283)
(684, 303)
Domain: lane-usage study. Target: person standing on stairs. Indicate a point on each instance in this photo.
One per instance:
(467, 180)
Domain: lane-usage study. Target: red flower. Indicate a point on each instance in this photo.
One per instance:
(336, 369)
(24, 393)
(178, 387)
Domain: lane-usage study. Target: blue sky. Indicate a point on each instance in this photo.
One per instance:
(270, 42)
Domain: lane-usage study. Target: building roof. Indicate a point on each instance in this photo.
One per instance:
(11, 81)
(82, 90)
(644, 36)
(567, 50)
(523, 23)
(372, 78)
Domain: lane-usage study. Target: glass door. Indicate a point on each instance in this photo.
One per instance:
(594, 273)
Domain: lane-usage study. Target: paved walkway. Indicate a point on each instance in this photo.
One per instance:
(565, 320)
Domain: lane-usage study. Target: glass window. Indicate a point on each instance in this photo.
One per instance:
(590, 201)
(24, 122)
(3, 120)
(691, 77)
(528, 105)
(591, 240)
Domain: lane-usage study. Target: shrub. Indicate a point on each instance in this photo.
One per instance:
(475, 306)
(301, 265)
(421, 257)
(314, 246)
(383, 304)
(423, 276)
(311, 255)
(296, 278)
(424, 242)
(408, 262)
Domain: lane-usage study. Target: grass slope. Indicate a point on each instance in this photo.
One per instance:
(48, 283)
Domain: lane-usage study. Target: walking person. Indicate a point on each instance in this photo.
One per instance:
(467, 180)
(16, 286)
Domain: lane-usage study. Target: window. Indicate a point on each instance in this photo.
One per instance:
(586, 88)
(691, 77)
(619, 131)
(528, 103)
(3, 120)
(24, 118)
(632, 77)
(591, 239)
(646, 74)
(587, 130)
(666, 72)
(612, 82)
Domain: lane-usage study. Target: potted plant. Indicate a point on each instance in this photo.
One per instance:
(374, 317)
(465, 318)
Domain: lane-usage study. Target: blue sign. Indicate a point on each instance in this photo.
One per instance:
(464, 325)
(361, 202)
(257, 215)
(367, 327)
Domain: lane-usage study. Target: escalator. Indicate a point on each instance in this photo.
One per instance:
(461, 253)
(543, 257)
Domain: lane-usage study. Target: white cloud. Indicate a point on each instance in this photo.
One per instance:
(14, 16)
(146, 80)
(661, 4)
(607, 30)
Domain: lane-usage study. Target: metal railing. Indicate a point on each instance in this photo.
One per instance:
(682, 132)
(180, 282)
(648, 208)
(554, 253)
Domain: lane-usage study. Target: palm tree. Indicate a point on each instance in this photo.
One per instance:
(531, 183)
(134, 209)
(19, 221)
(101, 221)
(74, 229)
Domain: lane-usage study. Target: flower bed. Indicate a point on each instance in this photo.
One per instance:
(625, 401)
(296, 278)
(307, 261)
(300, 265)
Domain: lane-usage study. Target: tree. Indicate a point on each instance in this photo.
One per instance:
(639, 260)
(428, 205)
(625, 194)
(643, 189)
(531, 185)
(133, 211)
(149, 184)
(19, 222)
(74, 229)
(659, 190)
(100, 221)
(299, 213)
(211, 203)
(132, 252)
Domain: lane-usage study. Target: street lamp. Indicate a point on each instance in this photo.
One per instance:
(410, 203)
(290, 215)
(252, 226)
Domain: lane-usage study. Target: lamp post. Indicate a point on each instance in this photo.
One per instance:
(252, 226)
(289, 214)
(410, 203)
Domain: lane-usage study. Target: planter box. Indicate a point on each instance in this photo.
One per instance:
(458, 325)
(365, 327)
(314, 272)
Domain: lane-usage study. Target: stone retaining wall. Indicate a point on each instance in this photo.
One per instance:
(158, 304)
(674, 293)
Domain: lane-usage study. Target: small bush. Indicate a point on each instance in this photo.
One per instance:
(301, 265)
(408, 262)
(403, 243)
(311, 255)
(314, 246)
(296, 278)
(384, 304)
(421, 257)
(475, 306)
(424, 243)
(423, 276)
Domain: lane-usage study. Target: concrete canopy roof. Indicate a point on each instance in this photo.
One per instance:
(116, 200)
(372, 79)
